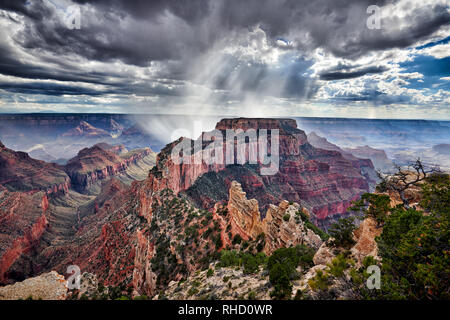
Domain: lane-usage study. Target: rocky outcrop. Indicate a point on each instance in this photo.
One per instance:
(224, 284)
(47, 286)
(341, 286)
(144, 280)
(279, 226)
(365, 244)
(365, 236)
(283, 230)
(244, 215)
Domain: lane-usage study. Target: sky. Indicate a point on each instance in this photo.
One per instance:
(227, 57)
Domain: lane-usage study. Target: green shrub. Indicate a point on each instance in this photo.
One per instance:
(282, 266)
(338, 266)
(414, 249)
(415, 254)
(376, 206)
(229, 258)
(342, 232)
(356, 277)
(193, 290)
(237, 239)
(218, 242)
(321, 281)
(279, 276)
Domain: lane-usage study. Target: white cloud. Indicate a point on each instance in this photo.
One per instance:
(439, 51)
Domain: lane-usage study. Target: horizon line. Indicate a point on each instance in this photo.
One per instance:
(220, 116)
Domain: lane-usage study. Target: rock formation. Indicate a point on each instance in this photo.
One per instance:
(365, 244)
(279, 226)
(23, 220)
(102, 161)
(86, 130)
(341, 286)
(365, 240)
(217, 286)
(143, 236)
(323, 181)
(19, 172)
(47, 286)
(244, 215)
(284, 230)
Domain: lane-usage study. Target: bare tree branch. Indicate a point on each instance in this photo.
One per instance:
(403, 179)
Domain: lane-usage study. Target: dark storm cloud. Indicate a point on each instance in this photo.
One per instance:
(175, 33)
(50, 89)
(424, 25)
(189, 10)
(121, 84)
(57, 89)
(338, 26)
(105, 35)
(375, 97)
(11, 66)
(32, 9)
(339, 75)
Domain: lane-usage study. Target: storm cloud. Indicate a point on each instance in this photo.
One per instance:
(217, 52)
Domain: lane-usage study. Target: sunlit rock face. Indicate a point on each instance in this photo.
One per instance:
(279, 226)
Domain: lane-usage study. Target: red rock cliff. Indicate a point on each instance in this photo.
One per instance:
(22, 222)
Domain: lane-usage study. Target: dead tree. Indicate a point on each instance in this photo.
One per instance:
(403, 179)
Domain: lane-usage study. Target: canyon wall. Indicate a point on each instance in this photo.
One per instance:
(23, 220)
(101, 162)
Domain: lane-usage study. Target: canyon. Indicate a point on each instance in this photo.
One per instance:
(141, 235)
(41, 208)
(323, 181)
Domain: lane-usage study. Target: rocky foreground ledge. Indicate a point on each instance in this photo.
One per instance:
(47, 286)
